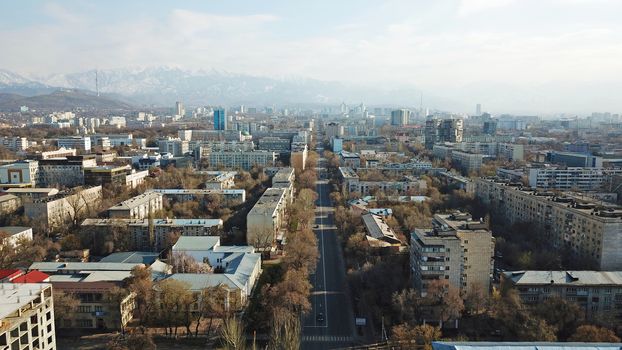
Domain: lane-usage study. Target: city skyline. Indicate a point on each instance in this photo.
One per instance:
(558, 56)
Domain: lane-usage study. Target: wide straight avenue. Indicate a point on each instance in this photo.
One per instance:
(330, 324)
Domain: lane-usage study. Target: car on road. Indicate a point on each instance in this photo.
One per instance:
(320, 317)
(316, 226)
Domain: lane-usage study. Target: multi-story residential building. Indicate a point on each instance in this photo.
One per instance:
(230, 197)
(500, 150)
(59, 153)
(9, 203)
(176, 147)
(117, 140)
(28, 194)
(571, 159)
(217, 135)
(336, 144)
(468, 161)
(241, 160)
(400, 117)
(277, 144)
(109, 174)
(590, 231)
(27, 316)
(456, 249)
(19, 174)
(284, 178)
(92, 283)
(15, 234)
(581, 179)
(298, 156)
(334, 130)
(15, 144)
(443, 130)
(68, 172)
(510, 151)
(64, 206)
(598, 294)
(137, 207)
(443, 151)
(105, 157)
(106, 175)
(349, 159)
(221, 146)
(157, 236)
(220, 180)
(81, 143)
(265, 221)
(351, 183)
(136, 178)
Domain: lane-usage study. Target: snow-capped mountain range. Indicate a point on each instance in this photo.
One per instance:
(162, 86)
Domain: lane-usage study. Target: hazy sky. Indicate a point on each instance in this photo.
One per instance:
(437, 45)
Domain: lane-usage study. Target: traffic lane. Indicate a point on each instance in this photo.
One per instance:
(318, 305)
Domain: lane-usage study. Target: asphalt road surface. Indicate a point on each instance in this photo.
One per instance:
(328, 296)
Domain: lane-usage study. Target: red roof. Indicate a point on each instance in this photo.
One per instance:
(10, 273)
(32, 277)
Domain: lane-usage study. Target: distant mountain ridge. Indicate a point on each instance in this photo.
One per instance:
(162, 86)
(61, 99)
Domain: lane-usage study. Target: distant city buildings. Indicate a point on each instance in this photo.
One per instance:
(400, 117)
(220, 119)
(443, 130)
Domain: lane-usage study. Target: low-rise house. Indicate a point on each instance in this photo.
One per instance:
(237, 267)
(379, 234)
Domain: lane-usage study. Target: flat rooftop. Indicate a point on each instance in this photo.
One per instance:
(268, 202)
(13, 296)
(156, 222)
(142, 198)
(566, 278)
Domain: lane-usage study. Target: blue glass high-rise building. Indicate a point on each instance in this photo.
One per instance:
(220, 119)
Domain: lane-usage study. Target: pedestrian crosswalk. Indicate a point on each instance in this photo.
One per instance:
(326, 338)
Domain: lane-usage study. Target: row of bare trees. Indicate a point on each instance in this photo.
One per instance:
(287, 299)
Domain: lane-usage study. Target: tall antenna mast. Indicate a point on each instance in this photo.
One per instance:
(96, 83)
(421, 103)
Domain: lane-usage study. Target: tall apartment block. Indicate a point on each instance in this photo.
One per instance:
(443, 130)
(457, 249)
(589, 230)
(27, 316)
